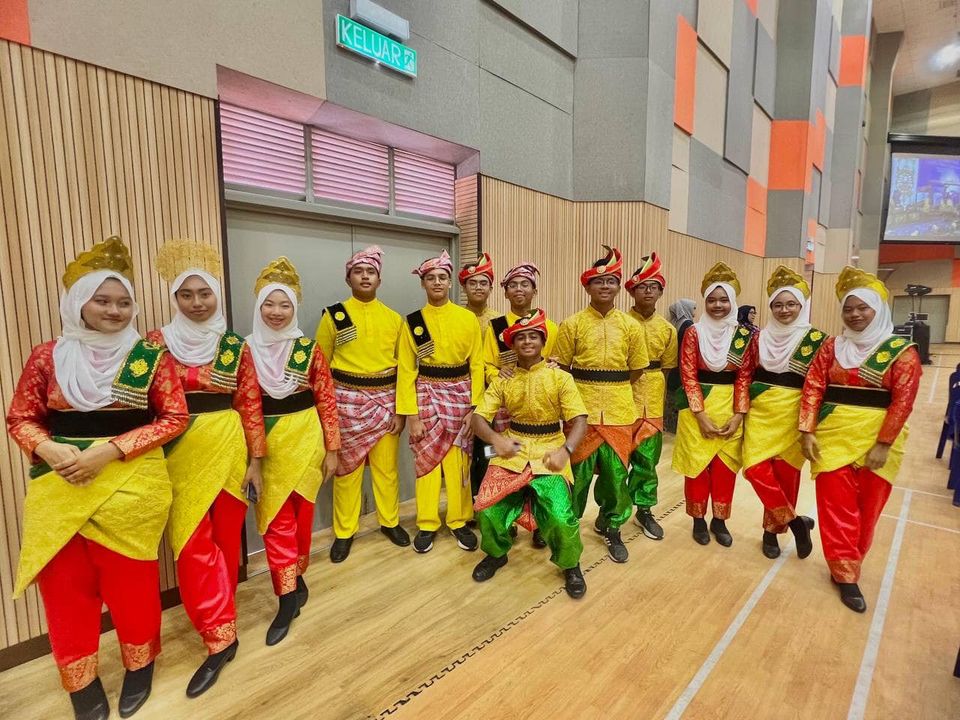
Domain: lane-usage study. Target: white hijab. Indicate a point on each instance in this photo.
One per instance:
(714, 336)
(86, 361)
(852, 348)
(778, 341)
(195, 343)
(271, 348)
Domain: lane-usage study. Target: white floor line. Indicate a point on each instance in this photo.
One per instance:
(929, 525)
(858, 703)
(922, 492)
(686, 697)
(933, 385)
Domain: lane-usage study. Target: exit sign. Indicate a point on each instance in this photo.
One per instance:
(362, 40)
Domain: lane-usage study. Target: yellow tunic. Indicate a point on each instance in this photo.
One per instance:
(456, 338)
(770, 427)
(536, 396)
(692, 452)
(485, 317)
(613, 341)
(491, 352)
(849, 432)
(374, 350)
(649, 390)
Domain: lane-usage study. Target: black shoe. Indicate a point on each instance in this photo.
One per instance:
(596, 526)
(537, 539)
(801, 534)
(423, 542)
(303, 592)
(90, 703)
(340, 549)
(472, 523)
(720, 532)
(810, 522)
(851, 596)
(575, 585)
(135, 691)
(206, 675)
(466, 538)
(700, 532)
(651, 528)
(615, 547)
(288, 610)
(771, 546)
(397, 535)
(488, 567)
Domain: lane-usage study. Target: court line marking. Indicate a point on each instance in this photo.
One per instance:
(861, 692)
(698, 681)
(922, 492)
(933, 385)
(928, 525)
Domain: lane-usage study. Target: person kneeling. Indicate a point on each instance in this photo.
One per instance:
(529, 479)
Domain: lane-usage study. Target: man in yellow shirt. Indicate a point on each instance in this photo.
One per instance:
(439, 382)
(359, 338)
(646, 286)
(529, 478)
(604, 350)
(476, 279)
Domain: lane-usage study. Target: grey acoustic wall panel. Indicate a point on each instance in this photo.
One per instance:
(796, 31)
(659, 137)
(554, 19)
(844, 159)
(731, 217)
(784, 223)
(687, 8)
(613, 28)
(834, 50)
(827, 183)
(765, 71)
(736, 147)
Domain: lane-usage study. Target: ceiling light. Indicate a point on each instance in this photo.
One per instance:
(946, 57)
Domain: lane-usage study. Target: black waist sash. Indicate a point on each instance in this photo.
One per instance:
(365, 381)
(96, 423)
(861, 397)
(445, 372)
(544, 429)
(709, 377)
(288, 405)
(784, 379)
(654, 365)
(204, 402)
(600, 376)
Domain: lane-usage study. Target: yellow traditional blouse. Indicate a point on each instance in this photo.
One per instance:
(536, 396)
(485, 317)
(614, 341)
(374, 350)
(650, 389)
(456, 339)
(491, 351)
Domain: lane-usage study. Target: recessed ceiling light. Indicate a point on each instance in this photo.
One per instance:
(946, 57)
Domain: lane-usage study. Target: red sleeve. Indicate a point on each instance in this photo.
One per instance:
(326, 398)
(689, 361)
(27, 417)
(248, 402)
(814, 386)
(904, 383)
(741, 386)
(169, 406)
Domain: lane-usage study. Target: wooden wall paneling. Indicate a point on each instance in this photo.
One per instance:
(466, 215)
(826, 312)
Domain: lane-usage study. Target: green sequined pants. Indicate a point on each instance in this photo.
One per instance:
(610, 491)
(643, 471)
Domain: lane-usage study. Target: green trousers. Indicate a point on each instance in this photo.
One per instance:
(610, 491)
(550, 502)
(643, 471)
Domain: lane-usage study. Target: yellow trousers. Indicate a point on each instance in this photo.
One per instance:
(348, 489)
(454, 469)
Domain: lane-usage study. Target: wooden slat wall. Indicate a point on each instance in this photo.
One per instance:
(466, 215)
(826, 311)
(85, 153)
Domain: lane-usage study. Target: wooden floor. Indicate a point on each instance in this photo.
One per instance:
(679, 631)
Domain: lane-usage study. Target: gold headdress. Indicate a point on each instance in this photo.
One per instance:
(784, 277)
(852, 278)
(280, 271)
(721, 272)
(111, 254)
(178, 255)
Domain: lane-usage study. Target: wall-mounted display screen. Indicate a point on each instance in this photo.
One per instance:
(924, 200)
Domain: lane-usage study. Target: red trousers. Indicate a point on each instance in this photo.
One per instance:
(714, 483)
(777, 483)
(287, 542)
(74, 586)
(207, 572)
(849, 503)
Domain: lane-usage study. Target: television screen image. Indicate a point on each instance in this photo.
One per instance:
(924, 202)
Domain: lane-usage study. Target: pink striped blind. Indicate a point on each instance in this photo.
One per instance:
(350, 170)
(262, 151)
(422, 185)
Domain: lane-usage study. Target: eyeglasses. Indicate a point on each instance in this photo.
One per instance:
(520, 285)
(647, 287)
(606, 282)
(777, 307)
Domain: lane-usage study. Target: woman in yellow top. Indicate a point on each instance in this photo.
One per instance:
(781, 355)
(92, 410)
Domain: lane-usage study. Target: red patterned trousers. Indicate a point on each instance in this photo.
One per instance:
(287, 542)
(714, 484)
(777, 483)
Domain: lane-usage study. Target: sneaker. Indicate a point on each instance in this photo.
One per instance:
(423, 542)
(397, 535)
(720, 532)
(466, 538)
(340, 549)
(488, 567)
(537, 540)
(615, 547)
(575, 585)
(596, 526)
(651, 528)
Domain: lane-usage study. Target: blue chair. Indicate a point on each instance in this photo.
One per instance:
(953, 479)
(948, 425)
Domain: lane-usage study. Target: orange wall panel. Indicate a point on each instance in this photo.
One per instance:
(818, 141)
(789, 155)
(756, 195)
(909, 252)
(685, 84)
(853, 60)
(752, 6)
(15, 21)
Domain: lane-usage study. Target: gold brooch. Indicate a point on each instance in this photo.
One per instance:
(816, 335)
(231, 340)
(227, 357)
(739, 343)
(883, 357)
(338, 316)
(304, 341)
(139, 367)
(299, 356)
(806, 350)
(418, 331)
(900, 342)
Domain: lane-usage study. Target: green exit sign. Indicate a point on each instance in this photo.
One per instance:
(362, 40)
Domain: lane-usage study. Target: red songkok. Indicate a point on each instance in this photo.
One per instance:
(438, 263)
(524, 270)
(483, 266)
(536, 320)
(652, 269)
(372, 256)
(612, 264)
